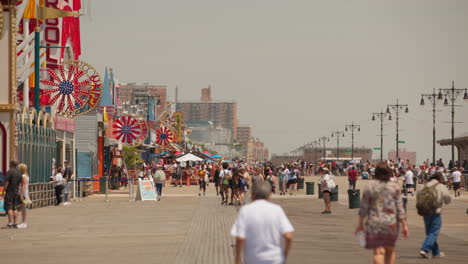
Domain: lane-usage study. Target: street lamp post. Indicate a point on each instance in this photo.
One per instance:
(397, 107)
(323, 140)
(433, 98)
(452, 95)
(337, 134)
(381, 116)
(352, 127)
(315, 144)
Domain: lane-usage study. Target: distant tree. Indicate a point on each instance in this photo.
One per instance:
(131, 157)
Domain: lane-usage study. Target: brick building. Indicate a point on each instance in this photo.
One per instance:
(206, 95)
(128, 93)
(244, 134)
(223, 114)
(404, 155)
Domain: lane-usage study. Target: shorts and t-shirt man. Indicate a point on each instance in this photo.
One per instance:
(12, 193)
(262, 225)
(409, 179)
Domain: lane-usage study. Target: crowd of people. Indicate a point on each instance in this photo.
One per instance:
(382, 215)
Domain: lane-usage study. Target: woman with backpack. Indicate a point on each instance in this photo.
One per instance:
(224, 182)
(382, 205)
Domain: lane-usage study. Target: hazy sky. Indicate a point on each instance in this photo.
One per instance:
(297, 69)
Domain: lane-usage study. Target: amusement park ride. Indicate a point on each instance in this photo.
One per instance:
(132, 130)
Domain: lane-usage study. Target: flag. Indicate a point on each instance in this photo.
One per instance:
(30, 10)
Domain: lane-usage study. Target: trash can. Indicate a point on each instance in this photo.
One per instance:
(310, 188)
(300, 183)
(354, 199)
(320, 194)
(334, 194)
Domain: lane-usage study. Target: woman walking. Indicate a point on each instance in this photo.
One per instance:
(224, 182)
(382, 207)
(23, 168)
(282, 181)
(326, 188)
(202, 180)
(292, 181)
(236, 185)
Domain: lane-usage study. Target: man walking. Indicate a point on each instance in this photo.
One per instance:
(261, 228)
(352, 178)
(159, 178)
(430, 200)
(12, 188)
(456, 180)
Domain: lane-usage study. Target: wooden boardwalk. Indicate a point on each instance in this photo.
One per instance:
(185, 228)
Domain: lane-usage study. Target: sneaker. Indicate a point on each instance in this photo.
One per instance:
(423, 254)
(66, 203)
(441, 255)
(22, 226)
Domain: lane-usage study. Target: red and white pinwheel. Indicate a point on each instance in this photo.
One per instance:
(75, 88)
(127, 129)
(144, 130)
(164, 136)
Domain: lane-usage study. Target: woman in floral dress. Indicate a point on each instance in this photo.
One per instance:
(382, 208)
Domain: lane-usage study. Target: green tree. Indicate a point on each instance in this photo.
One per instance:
(131, 157)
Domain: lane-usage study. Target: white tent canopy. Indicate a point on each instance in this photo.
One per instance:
(189, 157)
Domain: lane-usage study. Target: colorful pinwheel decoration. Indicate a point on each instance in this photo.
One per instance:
(75, 89)
(128, 129)
(164, 136)
(144, 130)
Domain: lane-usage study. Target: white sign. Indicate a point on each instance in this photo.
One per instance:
(146, 191)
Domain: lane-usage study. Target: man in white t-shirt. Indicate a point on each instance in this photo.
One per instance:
(409, 181)
(456, 180)
(261, 228)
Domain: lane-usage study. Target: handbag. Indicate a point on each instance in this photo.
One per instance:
(331, 184)
(27, 201)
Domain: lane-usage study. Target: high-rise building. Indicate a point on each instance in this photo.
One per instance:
(206, 94)
(132, 94)
(222, 114)
(244, 134)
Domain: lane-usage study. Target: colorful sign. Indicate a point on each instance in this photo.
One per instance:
(178, 122)
(64, 123)
(146, 191)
